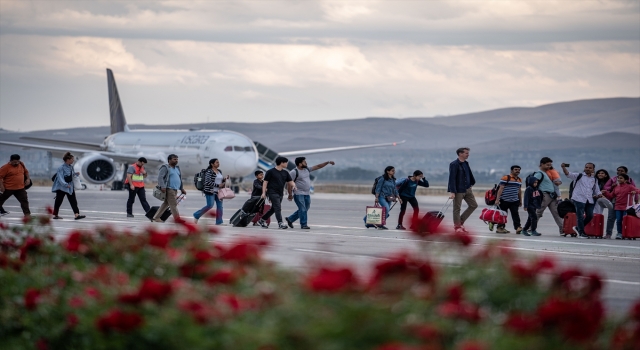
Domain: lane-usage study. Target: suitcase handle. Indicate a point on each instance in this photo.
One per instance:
(447, 204)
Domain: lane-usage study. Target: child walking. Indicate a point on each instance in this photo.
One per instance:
(532, 202)
(624, 194)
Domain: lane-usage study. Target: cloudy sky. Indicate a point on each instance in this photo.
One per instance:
(260, 61)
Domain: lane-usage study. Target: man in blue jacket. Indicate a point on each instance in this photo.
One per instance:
(460, 182)
(407, 190)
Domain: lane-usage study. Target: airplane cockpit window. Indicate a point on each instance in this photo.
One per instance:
(248, 149)
(238, 148)
(228, 149)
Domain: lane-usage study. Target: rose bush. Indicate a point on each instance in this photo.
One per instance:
(176, 290)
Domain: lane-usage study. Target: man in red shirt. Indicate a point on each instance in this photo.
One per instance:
(14, 176)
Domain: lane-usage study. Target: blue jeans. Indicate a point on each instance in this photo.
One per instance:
(303, 202)
(383, 203)
(210, 199)
(619, 215)
(584, 214)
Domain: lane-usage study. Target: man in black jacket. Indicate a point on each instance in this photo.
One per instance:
(460, 182)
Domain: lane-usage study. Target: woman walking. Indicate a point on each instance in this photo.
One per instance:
(602, 177)
(213, 181)
(63, 186)
(385, 193)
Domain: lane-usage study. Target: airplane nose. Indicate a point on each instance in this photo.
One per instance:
(245, 164)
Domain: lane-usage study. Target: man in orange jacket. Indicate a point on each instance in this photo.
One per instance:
(135, 184)
(14, 176)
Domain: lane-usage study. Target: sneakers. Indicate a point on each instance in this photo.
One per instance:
(3, 213)
(583, 236)
(305, 228)
(368, 226)
(57, 217)
(608, 236)
(491, 226)
(289, 222)
(157, 220)
(382, 227)
(130, 215)
(535, 233)
(461, 229)
(518, 230)
(263, 223)
(525, 233)
(501, 230)
(619, 236)
(80, 217)
(400, 227)
(282, 226)
(575, 229)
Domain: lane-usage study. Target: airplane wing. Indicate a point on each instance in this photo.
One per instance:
(86, 145)
(156, 159)
(335, 149)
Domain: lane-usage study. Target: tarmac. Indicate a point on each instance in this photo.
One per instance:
(338, 234)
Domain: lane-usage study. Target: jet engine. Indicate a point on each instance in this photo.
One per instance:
(96, 168)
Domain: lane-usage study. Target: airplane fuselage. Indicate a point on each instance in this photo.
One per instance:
(236, 152)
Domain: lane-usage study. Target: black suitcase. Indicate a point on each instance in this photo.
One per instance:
(152, 211)
(241, 219)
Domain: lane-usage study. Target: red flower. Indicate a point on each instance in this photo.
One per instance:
(577, 320)
(3, 225)
(42, 344)
(244, 251)
(231, 300)
(522, 323)
(564, 278)
(595, 283)
(545, 263)
(74, 242)
(49, 209)
(26, 219)
(130, 298)
(635, 312)
(92, 292)
(72, 320)
(191, 228)
(427, 272)
(454, 293)
(76, 302)
(331, 280)
(203, 256)
(399, 346)
(152, 289)
(159, 240)
(31, 297)
(426, 332)
(31, 244)
(463, 238)
(116, 320)
(221, 277)
(196, 309)
(395, 264)
(522, 273)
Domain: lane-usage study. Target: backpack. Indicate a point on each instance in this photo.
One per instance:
(491, 195)
(375, 184)
(565, 207)
(533, 175)
(198, 180)
(573, 184)
(403, 185)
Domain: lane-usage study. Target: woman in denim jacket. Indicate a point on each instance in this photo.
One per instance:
(63, 188)
(385, 188)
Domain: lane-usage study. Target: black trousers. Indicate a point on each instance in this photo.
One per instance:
(72, 200)
(513, 208)
(532, 221)
(403, 207)
(139, 191)
(276, 207)
(21, 196)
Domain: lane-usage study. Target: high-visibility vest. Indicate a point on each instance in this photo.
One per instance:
(137, 179)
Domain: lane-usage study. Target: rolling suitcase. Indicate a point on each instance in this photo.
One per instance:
(567, 225)
(241, 219)
(265, 208)
(630, 227)
(152, 211)
(595, 228)
(432, 219)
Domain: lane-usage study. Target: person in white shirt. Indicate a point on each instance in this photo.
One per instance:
(585, 193)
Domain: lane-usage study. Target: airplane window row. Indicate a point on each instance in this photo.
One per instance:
(238, 149)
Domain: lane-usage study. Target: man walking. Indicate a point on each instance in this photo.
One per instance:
(407, 191)
(460, 182)
(135, 181)
(302, 197)
(14, 176)
(545, 185)
(585, 189)
(273, 187)
(170, 181)
(509, 198)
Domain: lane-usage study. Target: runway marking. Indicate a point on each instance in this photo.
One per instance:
(623, 282)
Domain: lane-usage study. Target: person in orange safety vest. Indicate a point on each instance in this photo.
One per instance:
(135, 184)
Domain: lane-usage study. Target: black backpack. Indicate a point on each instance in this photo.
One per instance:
(533, 174)
(198, 180)
(375, 184)
(573, 184)
(565, 207)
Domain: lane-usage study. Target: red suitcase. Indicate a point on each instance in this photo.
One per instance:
(265, 208)
(595, 227)
(630, 227)
(567, 226)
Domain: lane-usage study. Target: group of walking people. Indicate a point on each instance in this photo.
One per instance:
(591, 192)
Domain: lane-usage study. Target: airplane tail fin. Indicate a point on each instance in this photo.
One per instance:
(118, 122)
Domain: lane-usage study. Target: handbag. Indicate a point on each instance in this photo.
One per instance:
(391, 199)
(226, 193)
(494, 215)
(376, 215)
(157, 192)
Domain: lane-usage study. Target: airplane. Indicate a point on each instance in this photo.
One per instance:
(98, 163)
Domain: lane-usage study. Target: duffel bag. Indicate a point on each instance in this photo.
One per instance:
(494, 215)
